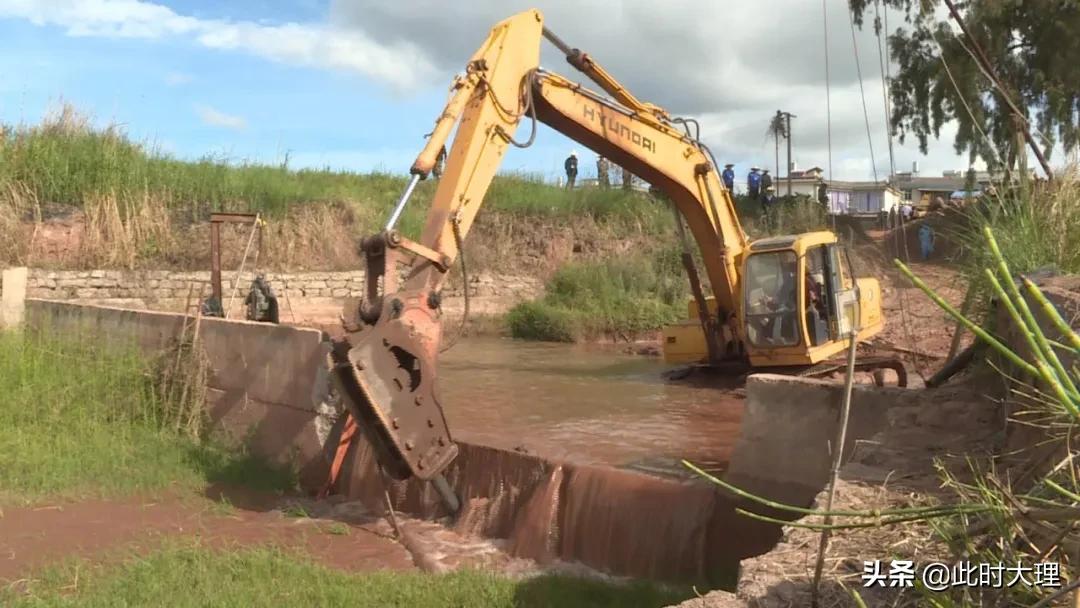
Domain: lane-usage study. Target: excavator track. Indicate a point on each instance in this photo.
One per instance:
(741, 371)
(865, 364)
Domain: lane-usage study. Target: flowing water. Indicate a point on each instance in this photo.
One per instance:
(584, 404)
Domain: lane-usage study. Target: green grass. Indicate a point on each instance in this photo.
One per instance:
(1033, 230)
(620, 297)
(789, 215)
(66, 159)
(141, 204)
(196, 576)
(78, 420)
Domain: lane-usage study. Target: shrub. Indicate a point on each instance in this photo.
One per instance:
(543, 322)
(619, 297)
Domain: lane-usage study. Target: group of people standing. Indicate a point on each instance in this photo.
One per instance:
(603, 172)
(759, 184)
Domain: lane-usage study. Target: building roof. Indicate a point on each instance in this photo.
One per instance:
(811, 172)
(949, 183)
(859, 186)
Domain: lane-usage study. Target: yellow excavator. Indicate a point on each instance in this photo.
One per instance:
(783, 303)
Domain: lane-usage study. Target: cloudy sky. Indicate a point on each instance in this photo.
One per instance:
(356, 83)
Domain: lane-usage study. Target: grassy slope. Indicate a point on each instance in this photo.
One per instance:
(196, 576)
(79, 420)
(65, 160)
(1033, 229)
(620, 296)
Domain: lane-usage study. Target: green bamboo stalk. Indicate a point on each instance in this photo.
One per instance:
(1045, 502)
(972, 327)
(1043, 369)
(793, 509)
(1067, 347)
(1025, 330)
(1052, 313)
(858, 598)
(1048, 356)
(967, 510)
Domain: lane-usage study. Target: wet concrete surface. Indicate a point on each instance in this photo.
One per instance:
(584, 404)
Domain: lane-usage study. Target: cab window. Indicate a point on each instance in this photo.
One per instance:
(817, 302)
(772, 299)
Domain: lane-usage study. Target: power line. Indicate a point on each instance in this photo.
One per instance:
(886, 80)
(828, 92)
(862, 92)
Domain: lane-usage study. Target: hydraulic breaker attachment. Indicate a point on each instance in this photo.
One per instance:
(386, 370)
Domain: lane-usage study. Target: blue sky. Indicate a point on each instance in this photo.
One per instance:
(355, 84)
(192, 101)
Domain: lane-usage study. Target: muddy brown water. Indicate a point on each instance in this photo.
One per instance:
(584, 404)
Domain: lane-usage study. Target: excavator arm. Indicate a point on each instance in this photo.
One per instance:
(387, 364)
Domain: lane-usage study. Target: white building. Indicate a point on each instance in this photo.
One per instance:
(803, 183)
(862, 198)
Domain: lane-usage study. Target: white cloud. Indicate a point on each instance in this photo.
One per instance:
(399, 64)
(176, 79)
(217, 118)
(117, 18)
(731, 64)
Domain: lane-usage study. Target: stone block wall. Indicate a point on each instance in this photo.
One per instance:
(170, 290)
(164, 284)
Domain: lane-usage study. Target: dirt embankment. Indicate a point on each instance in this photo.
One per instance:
(322, 237)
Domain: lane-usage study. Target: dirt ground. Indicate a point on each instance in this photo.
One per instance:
(916, 329)
(340, 535)
(33, 537)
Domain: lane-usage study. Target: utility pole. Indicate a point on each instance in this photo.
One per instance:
(779, 120)
(787, 128)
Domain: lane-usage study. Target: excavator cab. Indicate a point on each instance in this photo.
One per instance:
(800, 301)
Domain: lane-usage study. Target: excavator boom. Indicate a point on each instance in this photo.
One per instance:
(388, 370)
(387, 367)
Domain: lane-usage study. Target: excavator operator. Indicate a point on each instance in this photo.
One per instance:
(784, 304)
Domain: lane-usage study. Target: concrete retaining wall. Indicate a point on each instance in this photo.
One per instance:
(784, 451)
(12, 301)
(267, 383)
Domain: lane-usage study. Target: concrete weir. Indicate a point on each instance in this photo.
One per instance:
(268, 387)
